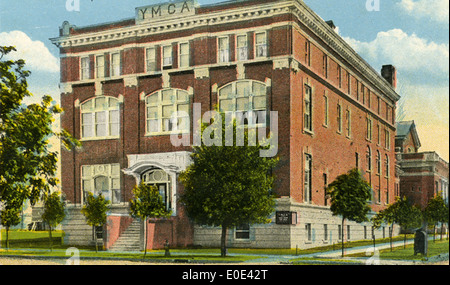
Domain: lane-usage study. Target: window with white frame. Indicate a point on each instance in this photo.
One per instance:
(369, 129)
(167, 56)
(308, 109)
(115, 64)
(167, 112)
(308, 232)
(308, 178)
(161, 180)
(242, 47)
(100, 66)
(150, 59)
(386, 165)
(261, 44)
(224, 49)
(339, 117)
(348, 115)
(378, 162)
(387, 139)
(242, 231)
(100, 118)
(85, 68)
(247, 97)
(102, 179)
(184, 55)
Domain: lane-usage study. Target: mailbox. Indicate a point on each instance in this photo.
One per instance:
(421, 243)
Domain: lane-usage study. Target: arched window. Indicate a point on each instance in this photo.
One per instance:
(100, 118)
(369, 158)
(247, 97)
(167, 112)
(102, 179)
(162, 181)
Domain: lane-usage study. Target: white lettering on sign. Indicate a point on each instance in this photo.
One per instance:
(164, 11)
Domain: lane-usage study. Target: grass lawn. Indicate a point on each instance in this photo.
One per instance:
(14, 235)
(401, 253)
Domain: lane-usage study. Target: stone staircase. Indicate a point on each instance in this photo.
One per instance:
(130, 239)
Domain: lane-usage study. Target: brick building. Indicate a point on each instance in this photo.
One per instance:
(121, 81)
(424, 175)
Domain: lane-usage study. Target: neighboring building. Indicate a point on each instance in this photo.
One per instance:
(424, 174)
(121, 81)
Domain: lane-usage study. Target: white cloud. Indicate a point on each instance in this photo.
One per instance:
(437, 10)
(36, 55)
(417, 58)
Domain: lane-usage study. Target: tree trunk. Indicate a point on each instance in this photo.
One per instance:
(96, 242)
(434, 233)
(342, 238)
(442, 228)
(223, 241)
(391, 230)
(50, 237)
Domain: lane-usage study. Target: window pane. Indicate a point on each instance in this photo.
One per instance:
(167, 111)
(242, 104)
(87, 125)
(226, 92)
(115, 64)
(259, 89)
(152, 112)
(182, 96)
(87, 106)
(226, 105)
(101, 124)
(153, 126)
(153, 99)
(100, 103)
(183, 108)
(167, 96)
(100, 66)
(113, 103)
(259, 103)
(87, 185)
(243, 89)
(241, 41)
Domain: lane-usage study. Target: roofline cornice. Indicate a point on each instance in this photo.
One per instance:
(297, 7)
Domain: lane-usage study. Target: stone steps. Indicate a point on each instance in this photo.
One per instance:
(130, 239)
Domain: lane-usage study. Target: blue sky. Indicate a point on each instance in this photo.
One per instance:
(411, 34)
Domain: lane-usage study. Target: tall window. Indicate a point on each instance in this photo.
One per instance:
(100, 66)
(387, 139)
(167, 56)
(348, 117)
(242, 47)
(339, 118)
(224, 49)
(184, 55)
(369, 129)
(115, 64)
(378, 161)
(308, 232)
(339, 76)
(261, 44)
(167, 112)
(369, 158)
(386, 165)
(326, 114)
(100, 118)
(102, 179)
(307, 52)
(85, 69)
(325, 66)
(308, 109)
(245, 96)
(150, 58)
(308, 178)
(160, 179)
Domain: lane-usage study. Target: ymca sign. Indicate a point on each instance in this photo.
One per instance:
(165, 11)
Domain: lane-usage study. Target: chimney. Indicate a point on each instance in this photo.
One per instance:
(331, 24)
(389, 72)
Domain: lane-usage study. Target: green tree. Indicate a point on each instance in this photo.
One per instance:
(402, 213)
(408, 216)
(436, 212)
(53, 213)
(349, 194)
(147, 203)
(228, 185)
(95, 210)
(27, 163)
(9, 216)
